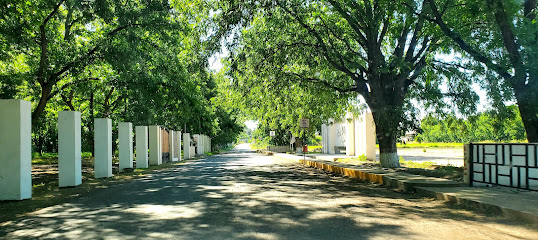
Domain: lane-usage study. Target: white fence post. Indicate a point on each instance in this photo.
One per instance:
(125, 145)
(103, 147)
(186, 145)
(155, 148)
(141, 146)
(172, 145)
(69, 152)
(15, 149)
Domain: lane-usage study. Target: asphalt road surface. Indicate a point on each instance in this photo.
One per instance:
(243, 195)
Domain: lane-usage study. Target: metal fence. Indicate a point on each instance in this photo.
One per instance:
(504, 164)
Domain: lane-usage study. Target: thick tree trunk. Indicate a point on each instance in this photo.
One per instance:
(527, 102)
(386, 120)
(46, 90)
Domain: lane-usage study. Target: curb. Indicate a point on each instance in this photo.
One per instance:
(479, 205)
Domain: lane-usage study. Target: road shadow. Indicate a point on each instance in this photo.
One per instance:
(231, 196)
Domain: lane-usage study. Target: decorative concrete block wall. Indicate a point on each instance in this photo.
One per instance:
(103, 147)
(141, 146)
(186, 145)
(505, 164)
(15, 149)
(69, 151)
(125, 145)
(155, 148)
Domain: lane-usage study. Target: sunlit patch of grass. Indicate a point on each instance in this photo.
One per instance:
(354, 160)
(314, 148)
(429, 145)
(411, 164)
(431, 169)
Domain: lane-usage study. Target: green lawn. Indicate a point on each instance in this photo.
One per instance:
(429, 145)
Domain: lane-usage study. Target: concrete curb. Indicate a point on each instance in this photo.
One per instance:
(440, 189)
(516, 206)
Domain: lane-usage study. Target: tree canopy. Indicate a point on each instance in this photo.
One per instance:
(139, 61)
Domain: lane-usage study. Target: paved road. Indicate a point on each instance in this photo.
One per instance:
(242, 195)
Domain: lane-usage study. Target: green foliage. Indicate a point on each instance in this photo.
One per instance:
(488, 126)
(411, 164)
(143, 62)
(500, 36)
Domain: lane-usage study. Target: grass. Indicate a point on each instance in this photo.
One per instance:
(46, 193)
(429, 145)
(429, 169)
(314, 148)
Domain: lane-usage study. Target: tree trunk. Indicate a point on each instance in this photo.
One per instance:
(46, 89)
(527, 102)
(386, 120)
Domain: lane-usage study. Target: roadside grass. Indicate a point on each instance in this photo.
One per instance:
(429, 169)
(46, 193)
(314, 148)
(428, 145)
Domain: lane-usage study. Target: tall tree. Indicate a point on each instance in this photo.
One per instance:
(503, 36)
(377, 49)
(60, 38)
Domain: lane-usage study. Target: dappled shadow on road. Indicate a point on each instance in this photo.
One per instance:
(235, 197)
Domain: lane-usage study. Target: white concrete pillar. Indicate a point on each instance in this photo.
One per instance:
(186, 145)
(192, 152)
(15, 149)
(141, 146)
(125, 145)
(155, 148)
(350, 142)
(103, 147)
(324, 138)
(177, 142)
(366, 136)
(332, 129)
(199, 146)
(202, 138)
(370, 136)
(69, 151)
(172, 146)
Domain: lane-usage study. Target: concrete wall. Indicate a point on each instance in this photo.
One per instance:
(15, 149)
(171, 142)
(103, 147)
(69, 151)
(142, 147)
(355, 133)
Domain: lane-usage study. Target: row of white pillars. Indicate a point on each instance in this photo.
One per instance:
(16, 158)
(203, 143)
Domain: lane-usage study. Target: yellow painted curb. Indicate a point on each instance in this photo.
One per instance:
(353, 173)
